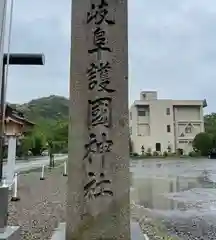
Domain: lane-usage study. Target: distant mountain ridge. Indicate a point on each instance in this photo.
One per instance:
(48, 108)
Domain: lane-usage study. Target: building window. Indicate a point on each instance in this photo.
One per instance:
(158, 147)
(168, 128)
(141, 113)
(130, 130)
(168, 111)
(143, 130)
(188, 129)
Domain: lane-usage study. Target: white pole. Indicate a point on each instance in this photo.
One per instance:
(15, 197)
(65, 169)
(4, 183)
(11, 161)
(42, 173)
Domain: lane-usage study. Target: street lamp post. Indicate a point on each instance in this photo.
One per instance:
(14, 59)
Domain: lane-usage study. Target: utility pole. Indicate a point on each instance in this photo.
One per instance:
(3, 9)
(8, 232)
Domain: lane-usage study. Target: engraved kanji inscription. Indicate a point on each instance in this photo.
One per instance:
(100, 112)
(97, 146)
(97, 186)
(98, 77)
(100, 41)
(99, 13)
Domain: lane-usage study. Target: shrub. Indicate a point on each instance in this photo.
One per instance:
(134, 154)
(179, 152)
(165, 153)
(155, 154)
(203, 143)
(172, 154)
(149, 152)
(194, 154)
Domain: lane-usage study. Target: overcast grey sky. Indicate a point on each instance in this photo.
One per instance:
(172, 48)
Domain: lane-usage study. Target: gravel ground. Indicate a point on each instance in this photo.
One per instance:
(175, 228)
(154, 228)
(42, 204)
(42, 207)
(194, 228)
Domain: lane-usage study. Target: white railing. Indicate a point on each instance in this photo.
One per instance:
(14, 187)
(42, 176)
(14, 184)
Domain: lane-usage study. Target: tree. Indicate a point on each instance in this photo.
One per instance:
(210, 123)
(61, 131)
(50, 115)
(50, 150)
(24, 147)
(203, 143)
(37, 144)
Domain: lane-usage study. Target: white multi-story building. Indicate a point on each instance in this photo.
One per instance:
(165, 124)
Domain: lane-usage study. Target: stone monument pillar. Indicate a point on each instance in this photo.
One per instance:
(98, 166)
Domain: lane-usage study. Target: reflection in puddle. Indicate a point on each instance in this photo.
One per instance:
(181, 194)
(163, 189)
(151, 192)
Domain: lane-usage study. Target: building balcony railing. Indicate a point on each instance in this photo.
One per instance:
(191, 121)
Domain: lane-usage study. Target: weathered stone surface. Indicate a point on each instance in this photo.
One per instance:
(98, 165)
(136, 232)
(3, 205)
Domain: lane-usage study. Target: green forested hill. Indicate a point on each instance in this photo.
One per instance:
(50, 108)
(50, 115)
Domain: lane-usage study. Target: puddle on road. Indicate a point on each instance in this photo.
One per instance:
(180, 194)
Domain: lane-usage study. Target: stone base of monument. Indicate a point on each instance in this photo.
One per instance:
(6, 232)
(10, 233)
(136, 232)
(4, 192)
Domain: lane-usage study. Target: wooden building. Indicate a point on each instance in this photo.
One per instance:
(15, 123)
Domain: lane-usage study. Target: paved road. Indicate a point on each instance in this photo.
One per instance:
(35, 163)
